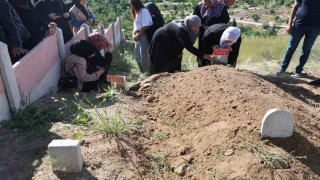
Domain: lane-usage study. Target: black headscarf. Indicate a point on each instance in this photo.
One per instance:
(83, 48)
(82, 8)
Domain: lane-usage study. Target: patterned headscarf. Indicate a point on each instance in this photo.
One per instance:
(98, 40)
(213, 11)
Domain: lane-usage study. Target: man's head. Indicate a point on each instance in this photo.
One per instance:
(228, 3)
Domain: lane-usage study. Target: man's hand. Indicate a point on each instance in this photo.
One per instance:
(50, 32)
(53, 16)
(89, 22)
(289, 28)
(18, 51)
(66, 15)
(229, 48)
(209, 57)
(53, 25)
(136, 38)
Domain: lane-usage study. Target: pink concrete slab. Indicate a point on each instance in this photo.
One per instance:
(109, 34)
(33, 67)
(99, 30)
(2, 88)
(81, 35)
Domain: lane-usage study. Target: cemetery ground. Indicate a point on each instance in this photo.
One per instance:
(200, 124)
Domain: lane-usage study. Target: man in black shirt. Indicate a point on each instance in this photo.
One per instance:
(307, 24)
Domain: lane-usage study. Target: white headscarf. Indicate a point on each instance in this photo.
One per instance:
(230, 34)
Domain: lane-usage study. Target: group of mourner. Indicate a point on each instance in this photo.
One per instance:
(158, 46)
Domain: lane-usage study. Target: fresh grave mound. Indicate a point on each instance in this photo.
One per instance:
(208, 126)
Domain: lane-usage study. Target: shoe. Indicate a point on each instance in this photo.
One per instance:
(297, 75)
(280, 71)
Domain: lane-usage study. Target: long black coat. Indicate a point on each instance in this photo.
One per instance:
(212, 37)
(223, 18)
(167, 43)
(46, 7)
(33, 23)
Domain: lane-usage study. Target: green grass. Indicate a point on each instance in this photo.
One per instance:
(263, 55)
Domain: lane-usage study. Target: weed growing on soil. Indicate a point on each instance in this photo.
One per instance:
(79, 136)
(273, 159)
(114, 124)
(32, 119)
(159, 166)
(159, 135)
(108, 94)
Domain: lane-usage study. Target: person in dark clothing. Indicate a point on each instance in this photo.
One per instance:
(31, 20)
(77, 63)
(56, 11)
(98, 61)
(169, 41)
(7, 22)
(307, 25)
(210, 12)
(222, 36)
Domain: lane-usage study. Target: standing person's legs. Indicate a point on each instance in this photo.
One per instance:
(295, 39)
(137, 56)
(311, 35)
(144, 49)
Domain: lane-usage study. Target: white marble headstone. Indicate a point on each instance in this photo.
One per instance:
(277, 124)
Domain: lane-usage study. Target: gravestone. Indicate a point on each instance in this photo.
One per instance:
(277, 124)
(65, 155)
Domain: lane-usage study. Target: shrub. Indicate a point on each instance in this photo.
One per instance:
(255, 16)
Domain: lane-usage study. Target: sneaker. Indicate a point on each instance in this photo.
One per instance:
(297, 75)
(280, 71)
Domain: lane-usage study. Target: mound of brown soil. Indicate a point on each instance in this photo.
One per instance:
(209, 120)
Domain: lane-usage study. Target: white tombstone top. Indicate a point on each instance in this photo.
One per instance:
(277, 124)
(63, 143)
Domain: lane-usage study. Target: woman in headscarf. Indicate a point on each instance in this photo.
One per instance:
(76, 65)
(169, 41)
(98, 61)
(55, 11)
(222, 36)
(210, 12)
(80, 14)
(142, 20)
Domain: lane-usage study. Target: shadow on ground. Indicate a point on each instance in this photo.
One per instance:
(294, 86)
(298, 145)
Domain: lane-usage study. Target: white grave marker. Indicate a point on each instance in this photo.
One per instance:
(65, 155)
(277, 124)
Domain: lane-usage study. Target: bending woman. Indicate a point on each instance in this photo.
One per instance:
(225, 37)
(169, 41)
(210, 12)
(76, 63)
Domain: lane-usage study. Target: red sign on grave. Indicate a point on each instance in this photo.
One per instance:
(113, 78)
(220, 52)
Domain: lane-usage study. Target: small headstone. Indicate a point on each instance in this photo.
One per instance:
(65, 155)
(277, 124)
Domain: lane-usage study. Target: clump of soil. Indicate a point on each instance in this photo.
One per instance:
(211, 117)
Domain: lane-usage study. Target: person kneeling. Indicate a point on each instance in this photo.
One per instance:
(222, 36)
(76, 65)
